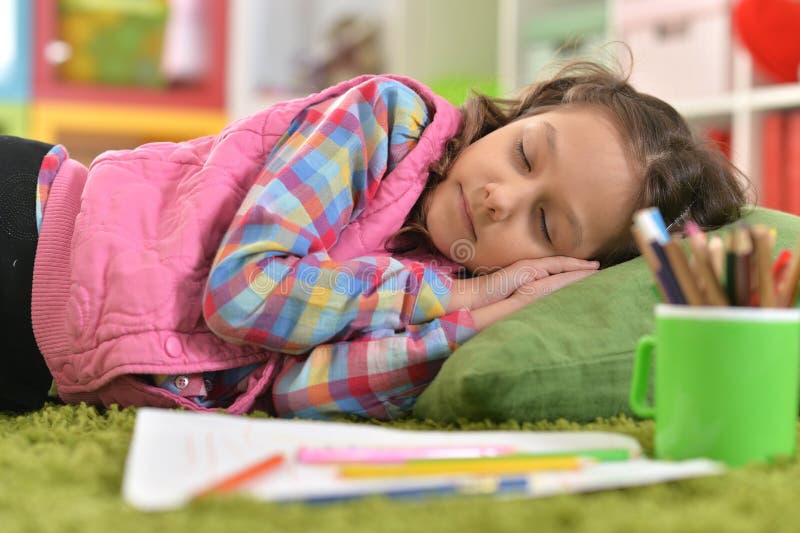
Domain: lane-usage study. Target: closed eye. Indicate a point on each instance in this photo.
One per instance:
(521, 153)
(543, 225)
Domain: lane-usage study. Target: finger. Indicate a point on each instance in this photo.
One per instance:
(562, 262)
(552, 283)
(555, 265)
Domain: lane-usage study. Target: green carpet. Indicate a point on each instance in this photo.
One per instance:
(61, 470)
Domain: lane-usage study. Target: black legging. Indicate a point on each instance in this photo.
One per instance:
(24, 377)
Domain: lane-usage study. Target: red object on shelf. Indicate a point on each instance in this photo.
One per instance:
(772, 157)
(208, 92)
(769, 29)
(792, 173)
(722, 139)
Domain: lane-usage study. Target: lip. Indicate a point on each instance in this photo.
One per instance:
(467, 213)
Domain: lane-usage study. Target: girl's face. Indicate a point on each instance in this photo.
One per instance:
(557, 183)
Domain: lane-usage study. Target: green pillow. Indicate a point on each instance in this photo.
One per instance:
(568, 355)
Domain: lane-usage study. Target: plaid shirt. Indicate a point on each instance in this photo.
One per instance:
(363, 336)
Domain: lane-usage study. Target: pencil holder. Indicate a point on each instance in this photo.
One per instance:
(725, 384)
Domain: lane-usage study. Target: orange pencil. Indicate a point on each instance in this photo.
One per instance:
(235, 481)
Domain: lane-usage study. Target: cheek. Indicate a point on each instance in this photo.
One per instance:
(502, 252)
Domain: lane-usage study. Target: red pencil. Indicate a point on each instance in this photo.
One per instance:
(233, 482)
(780, 264)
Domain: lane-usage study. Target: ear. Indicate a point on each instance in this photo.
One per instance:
(769, 30)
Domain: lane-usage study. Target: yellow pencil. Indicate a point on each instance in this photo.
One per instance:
(464, 467)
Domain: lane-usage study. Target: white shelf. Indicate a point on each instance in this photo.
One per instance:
(766, 98)
(775, 97)
(711, 106)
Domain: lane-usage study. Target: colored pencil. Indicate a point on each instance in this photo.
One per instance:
(735, 268)
(779, 268)
(680, 267)
(714, 295)
(743, 250)
(730, 271)
(763, 258)
(465, 486)
(780, 264)
(651, 225)
(398, 455)
(438, 453)
(652, 261)
(236, 480)
(667, 276)
(788, 293)
(491, 466)
(716, 253)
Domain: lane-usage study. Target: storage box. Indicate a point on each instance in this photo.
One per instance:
(681, 49)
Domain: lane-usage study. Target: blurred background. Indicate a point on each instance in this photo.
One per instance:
(108, 74)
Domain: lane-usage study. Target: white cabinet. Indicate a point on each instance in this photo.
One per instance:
(501, 40)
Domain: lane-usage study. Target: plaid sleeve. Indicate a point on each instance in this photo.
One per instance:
(273, 282)
(377, 376)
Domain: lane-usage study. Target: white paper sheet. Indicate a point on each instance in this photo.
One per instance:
(176, 454)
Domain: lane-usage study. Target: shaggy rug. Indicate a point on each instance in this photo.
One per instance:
(61, 470)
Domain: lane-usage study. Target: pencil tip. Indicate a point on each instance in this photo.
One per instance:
(692, 228)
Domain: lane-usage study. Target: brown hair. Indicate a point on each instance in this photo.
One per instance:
(685, 177)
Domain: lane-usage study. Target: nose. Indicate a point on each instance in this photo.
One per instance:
(501, 201)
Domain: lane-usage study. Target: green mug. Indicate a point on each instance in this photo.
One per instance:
(725, 385)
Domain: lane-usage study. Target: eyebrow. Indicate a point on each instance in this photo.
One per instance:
(551, 137)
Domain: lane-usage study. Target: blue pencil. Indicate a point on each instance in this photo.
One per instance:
(667, 277)
(474, 487)
(651, 226)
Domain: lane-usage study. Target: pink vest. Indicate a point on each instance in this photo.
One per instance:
(125, 249)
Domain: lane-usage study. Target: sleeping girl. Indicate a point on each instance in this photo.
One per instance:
(327, 254)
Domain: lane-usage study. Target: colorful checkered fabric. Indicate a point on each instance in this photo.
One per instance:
(363, 336)
(47, 173)
(373, 325)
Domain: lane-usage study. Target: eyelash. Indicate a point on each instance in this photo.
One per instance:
(543, 225)
(521, 152)
(542, 221)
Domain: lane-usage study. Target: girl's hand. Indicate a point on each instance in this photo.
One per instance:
(526, 294)
(483, 290)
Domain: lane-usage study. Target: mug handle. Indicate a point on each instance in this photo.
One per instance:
(640, 379)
